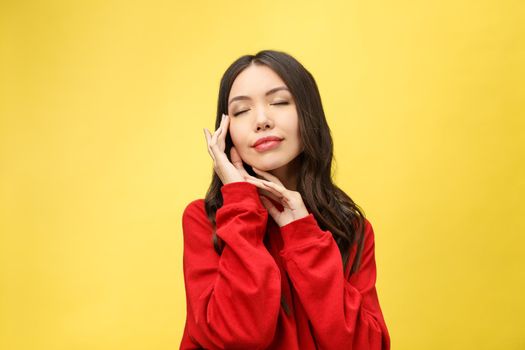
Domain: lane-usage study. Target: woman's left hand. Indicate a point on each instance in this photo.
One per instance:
(292, 202)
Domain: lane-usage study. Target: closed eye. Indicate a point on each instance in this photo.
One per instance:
(273, 104)
(236, 114)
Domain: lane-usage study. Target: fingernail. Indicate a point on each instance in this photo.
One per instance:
(223, 117)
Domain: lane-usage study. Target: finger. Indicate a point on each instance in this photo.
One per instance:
(257, 184)
(221, 125)
(268, 176)
(208, 141)
(216, 135)
(274, 188)
(237, 162)
(224, 127)
(220, 136)
(248, 176)
(217, 144)
(219, 130)
(280, 189)
(262, 188)
(268, 186)
(268, 194)
(275, 195)
(219, 154)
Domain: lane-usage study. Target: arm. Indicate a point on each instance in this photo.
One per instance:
(232, 299)
(344, 314)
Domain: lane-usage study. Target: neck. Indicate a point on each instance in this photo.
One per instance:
(287, 174)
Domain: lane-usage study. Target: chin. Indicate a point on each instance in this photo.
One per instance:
(267, 165)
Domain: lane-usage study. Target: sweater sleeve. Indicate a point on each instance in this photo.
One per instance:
(233, 299)
(343, 313)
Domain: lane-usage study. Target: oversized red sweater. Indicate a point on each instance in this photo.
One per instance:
(233, 300)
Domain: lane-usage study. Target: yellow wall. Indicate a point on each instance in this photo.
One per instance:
(102, 105)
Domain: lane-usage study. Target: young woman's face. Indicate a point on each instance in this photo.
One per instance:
(261, 105)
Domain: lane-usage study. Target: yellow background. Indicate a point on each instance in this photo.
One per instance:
(102, 107)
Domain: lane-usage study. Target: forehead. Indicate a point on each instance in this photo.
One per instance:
(255, 80)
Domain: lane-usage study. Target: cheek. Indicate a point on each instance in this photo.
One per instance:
(235, 135)
(293, 129)
(292, 126)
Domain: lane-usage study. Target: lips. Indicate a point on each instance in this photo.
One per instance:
(266, 139)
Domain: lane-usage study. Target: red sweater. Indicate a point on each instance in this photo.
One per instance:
(233, 300)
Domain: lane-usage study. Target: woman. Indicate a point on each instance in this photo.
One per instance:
(277, 256)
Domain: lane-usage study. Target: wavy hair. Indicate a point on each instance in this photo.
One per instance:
(333, 209)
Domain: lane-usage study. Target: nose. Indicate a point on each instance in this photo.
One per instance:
(263, 122)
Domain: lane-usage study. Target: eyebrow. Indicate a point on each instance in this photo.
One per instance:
(269, 92)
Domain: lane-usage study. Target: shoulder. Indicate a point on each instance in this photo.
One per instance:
(194, 218)
(197, 233)
(367, 245)
(369, 236)
(195, 207)
(369, 229)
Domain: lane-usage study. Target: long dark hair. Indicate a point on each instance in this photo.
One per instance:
(332, 208)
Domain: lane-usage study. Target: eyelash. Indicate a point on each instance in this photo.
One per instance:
(273, 104)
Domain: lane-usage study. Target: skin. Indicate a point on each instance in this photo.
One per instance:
(254, 116)
(260, 115)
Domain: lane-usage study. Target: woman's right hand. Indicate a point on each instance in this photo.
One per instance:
(229, 171)
(226, 171)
